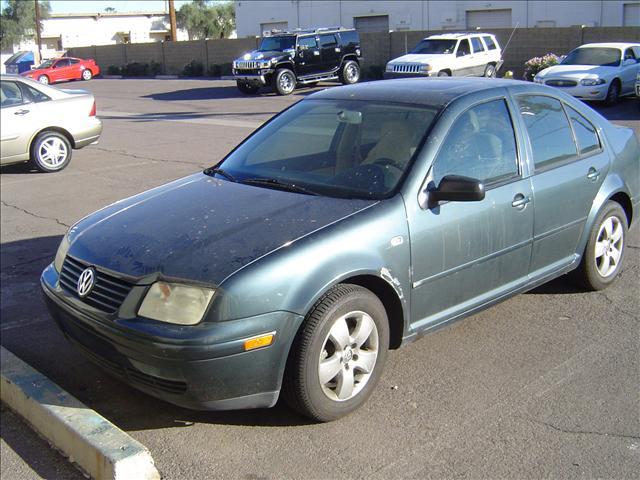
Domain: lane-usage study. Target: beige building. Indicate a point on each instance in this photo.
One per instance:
(254, 17)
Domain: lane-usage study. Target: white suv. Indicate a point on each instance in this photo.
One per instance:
(451, 54)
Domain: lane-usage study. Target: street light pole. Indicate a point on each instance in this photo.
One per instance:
(38, 40)
(172, 20)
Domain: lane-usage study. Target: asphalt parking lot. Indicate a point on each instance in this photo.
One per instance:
(545, 384)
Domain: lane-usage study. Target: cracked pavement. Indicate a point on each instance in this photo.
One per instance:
(546, 384)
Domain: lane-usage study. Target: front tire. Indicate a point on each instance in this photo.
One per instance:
(246, 88)
(284, 82)
(51, 152)
(613, 94)
(339, 354)
(604, 253)
(43, 79)
(87, 74)
(350, 73)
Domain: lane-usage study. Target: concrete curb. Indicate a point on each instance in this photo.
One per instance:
(112, 77)
(90, 440)
(166, 77)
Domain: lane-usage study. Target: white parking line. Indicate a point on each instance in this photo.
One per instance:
(170, 117)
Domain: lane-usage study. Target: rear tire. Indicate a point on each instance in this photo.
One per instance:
(43, 79)
(604, 253)
(246, 88)
(284, 82)
(337, 357)
(87, 74)
(490, 71)
(350, 73)
(613, 94)
(51, 152)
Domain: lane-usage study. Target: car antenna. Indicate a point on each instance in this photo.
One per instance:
(509, 41)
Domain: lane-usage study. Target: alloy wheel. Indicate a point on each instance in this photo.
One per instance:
(52, 152)
(609, 245)
(352, 73)
(286, 82)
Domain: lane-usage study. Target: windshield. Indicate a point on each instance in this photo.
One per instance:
(45, 64)
(278, 44)
(435, 47)
(604, 57)
(346, 148)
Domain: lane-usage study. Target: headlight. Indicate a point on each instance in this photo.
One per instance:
(265, 64)
(234, 64)
(62, 252)
(176, 303)
(590, 82)
(389, 68)
(425, 68)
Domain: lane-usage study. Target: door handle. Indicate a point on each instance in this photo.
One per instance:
(21, 112)
(316, 53)
(520, 201)
(593, 174)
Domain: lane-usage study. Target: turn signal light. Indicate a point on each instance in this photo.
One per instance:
(259, 342)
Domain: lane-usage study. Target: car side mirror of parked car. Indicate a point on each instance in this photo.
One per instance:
(456, 188)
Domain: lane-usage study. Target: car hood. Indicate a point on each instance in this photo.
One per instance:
(35, 71)
(577, 71)
(418, 58)
(258, 55)
(201, 229)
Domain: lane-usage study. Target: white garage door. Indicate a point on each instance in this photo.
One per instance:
(631, 15)
(489, 18)
(267, 27)
(376, 23)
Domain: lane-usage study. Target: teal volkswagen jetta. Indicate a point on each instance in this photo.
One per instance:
(349, 224)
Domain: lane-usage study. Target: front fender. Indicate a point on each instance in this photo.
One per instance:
(373, 242)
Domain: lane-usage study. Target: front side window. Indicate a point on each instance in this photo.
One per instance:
(463, 48)
(548, 128)
(62, 63)
(435, 47)
(341, 148)
(10, 94)
(599, 56)
(45, 64)
(585, 132)
(74, 61)
(629, 54)
(481, 144)
(477, 44)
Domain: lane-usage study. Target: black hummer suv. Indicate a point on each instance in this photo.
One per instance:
(286, 59)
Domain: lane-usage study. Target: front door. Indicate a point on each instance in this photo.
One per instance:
(464, 59)
(570, 165)
(330, 52)
(630, 69)
(17, 115)
(465, 254)
(62, 70)
(309, 59)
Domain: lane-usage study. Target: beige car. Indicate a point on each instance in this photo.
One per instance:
(43, 124)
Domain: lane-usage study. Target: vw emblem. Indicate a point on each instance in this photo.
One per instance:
(86, 281)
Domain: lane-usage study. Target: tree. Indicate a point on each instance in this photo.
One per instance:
(18, 21)
(207, 19)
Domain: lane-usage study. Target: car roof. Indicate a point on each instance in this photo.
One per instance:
(434, 92)
(610, 45)
(458, 35)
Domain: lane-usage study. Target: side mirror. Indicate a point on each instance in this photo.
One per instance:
(456, 188)
(628, 61)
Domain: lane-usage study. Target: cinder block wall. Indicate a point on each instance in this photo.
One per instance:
(377, 48)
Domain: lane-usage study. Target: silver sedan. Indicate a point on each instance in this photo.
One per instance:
(43, 124)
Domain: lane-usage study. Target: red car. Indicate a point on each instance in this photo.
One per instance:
(61, 69)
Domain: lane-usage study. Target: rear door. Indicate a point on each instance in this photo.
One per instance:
(569, 167)
(329, 51)
(464, 254)
(630, 68)
(309, 58)
(479, 56)
(464, 59)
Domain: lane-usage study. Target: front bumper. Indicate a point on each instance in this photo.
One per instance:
(638, 90)
(204, 375)
(257, 79)
(89, 134)
(389, 75)
(596, 92)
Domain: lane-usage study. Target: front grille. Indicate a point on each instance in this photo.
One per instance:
(561, 83)
(108, 292)
(406, 68)
(246, 65)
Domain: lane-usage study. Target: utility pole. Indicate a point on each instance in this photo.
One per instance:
(38, 40)
(172, 20)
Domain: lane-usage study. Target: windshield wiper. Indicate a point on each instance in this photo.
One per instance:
(219, 171)
(275, 183)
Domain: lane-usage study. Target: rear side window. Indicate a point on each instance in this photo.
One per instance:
(549, 131)
(10, 94)
(328, 40)
(586, 134)
(481, 145)
(36, 95)
(491, 45)
(307, 42)
(350, 38)
(477, 44)
(463, 48)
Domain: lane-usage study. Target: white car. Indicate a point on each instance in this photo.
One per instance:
(451, 54)
(596, 71)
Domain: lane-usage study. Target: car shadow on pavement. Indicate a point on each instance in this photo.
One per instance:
(29, 332)
(24, 167)
(213, 93)
(558, 286)
(628, 108)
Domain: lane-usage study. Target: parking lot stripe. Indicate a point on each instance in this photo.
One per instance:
(195, 118)
(100, 448)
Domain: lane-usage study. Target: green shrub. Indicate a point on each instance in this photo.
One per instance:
(155, 68)
(226, 69)
(537, 64)
(193, 69)
(114, 70)
(373, 72)
(136, 69)
(214, 70)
